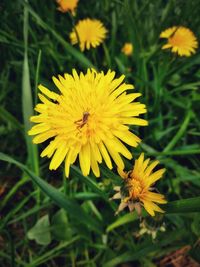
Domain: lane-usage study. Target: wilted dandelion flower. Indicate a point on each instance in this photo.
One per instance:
(151, 230)
(67, 5)
(91, 33)
(136, 190)
(127, 49)
(181, 40)
(89, 119)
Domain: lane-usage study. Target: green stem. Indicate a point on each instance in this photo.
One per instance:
(107, 56)
(175, 152)
(37, 74)
(179, 134)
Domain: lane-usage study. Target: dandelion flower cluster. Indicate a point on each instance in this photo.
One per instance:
(136, 190)
(88, 33)
(89, 119)
(67, 5)
(181, 40)
(127, 49)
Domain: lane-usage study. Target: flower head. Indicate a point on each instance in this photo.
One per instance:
(91, 33)
(136, 190)
(89, 119)
(67, 5)
(181, 40)
(127, 49)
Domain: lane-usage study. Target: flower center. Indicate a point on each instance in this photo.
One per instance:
(135, 188)
(177, 40)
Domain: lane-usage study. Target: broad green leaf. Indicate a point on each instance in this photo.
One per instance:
(130, 217)
(179, 206)
(183, 206)
(40, 232)
(60, 226)
(86, 195)
(67, 203)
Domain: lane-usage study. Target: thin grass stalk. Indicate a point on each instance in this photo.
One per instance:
(27, 105)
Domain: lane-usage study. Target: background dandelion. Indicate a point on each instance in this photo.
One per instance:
(67, 6)
(181, 40)
(127, 49)
(88, 33)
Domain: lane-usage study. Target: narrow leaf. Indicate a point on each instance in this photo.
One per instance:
(70, 205)
(27, 102)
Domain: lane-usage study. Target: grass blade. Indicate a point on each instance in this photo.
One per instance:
(70, 205)
(71, 50)
(130, 217)
(138, 254)
(178, 206)
(8, 117)
(178, 135)
(27, 102)
(183, 205)
(37, 74)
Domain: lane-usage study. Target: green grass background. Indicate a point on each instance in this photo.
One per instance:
(59, 222)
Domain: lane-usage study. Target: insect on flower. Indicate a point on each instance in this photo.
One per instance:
(180, 40)
(80, 123)
(136, 190)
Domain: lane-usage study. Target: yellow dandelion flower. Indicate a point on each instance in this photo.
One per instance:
(136, 190)
(67, 5)
(127, 49)
(181, 40)
(91, 33)
(89, 119)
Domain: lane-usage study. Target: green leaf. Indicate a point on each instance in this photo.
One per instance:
(71, 50)
(179, 206)
(67, 203)
(183, 206)
(27, 102)
(8, 117)
(195, 253)
(196, 225)
(139, 253)
(40, 232)
(180, 132)
(130, 217)
(91, 183)
(60, 227)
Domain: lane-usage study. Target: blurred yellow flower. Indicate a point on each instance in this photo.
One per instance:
(136, 190)
(67, 5)
(90, 118)
(127, 49)
(91, 33)
(181, 40)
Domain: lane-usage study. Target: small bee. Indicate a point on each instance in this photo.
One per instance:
(126, 186)
(80, 123)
